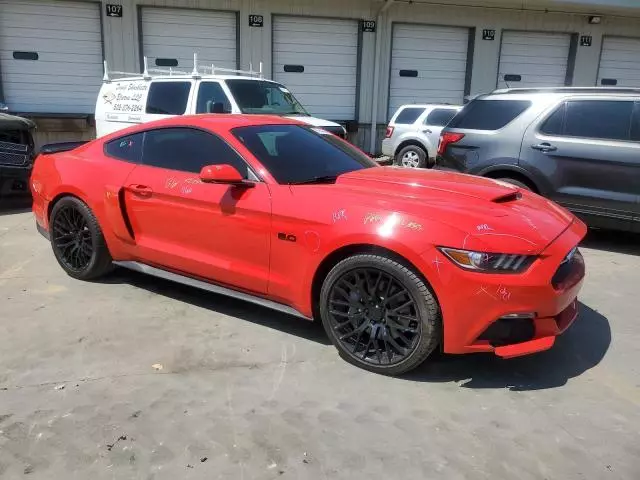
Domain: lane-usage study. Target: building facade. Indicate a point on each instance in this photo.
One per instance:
(353, 61)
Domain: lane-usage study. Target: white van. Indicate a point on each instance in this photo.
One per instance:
(158, 93)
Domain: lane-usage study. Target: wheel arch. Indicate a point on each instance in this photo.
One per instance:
(509, 171)
(59, 196)
(415, 142)
(345, 251)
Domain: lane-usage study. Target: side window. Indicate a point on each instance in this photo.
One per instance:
(188, 150)
(210, 93)
(126, 148)
(606, 119)
(168, 98)
(635, 123)
(409, 115)
(554, 124)
(439, 117)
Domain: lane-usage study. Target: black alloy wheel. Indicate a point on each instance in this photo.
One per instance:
(379, 314)
(77, 240)
(72, 238)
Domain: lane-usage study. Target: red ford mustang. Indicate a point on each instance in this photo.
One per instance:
(395, 262)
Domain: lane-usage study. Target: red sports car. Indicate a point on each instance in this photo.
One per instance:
(395, 262)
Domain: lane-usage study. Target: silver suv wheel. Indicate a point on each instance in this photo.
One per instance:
(410, 159)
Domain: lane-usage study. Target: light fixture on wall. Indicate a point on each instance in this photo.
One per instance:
(595, 19)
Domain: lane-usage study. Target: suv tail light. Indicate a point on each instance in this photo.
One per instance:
(446, 138)
(389, 132)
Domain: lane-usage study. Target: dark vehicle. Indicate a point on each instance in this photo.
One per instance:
(577, 146)
(16, 154)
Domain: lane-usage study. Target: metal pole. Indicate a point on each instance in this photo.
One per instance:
(376, 78)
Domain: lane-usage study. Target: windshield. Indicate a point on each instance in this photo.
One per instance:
(255, 96)
(298, 154)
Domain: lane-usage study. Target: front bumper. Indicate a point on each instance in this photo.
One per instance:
(473, 303)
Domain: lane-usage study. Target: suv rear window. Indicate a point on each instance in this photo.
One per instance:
(409, 115)
(489, 114)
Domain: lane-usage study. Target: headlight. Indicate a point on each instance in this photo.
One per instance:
(488, 262)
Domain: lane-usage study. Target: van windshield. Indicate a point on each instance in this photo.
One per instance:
(256, 96)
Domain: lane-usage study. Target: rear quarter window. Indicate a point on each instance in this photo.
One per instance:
(489, 114)
(439, 117)
(408, 115)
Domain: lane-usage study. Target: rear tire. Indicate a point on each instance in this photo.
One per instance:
(411, 156)
(515, 182)
(77, 240)
(379, 314)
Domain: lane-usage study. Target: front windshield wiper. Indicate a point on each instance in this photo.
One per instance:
(318, 179)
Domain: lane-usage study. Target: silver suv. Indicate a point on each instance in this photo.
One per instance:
(578, 146)
(413, 132)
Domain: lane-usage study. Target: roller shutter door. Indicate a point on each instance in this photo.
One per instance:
(533, 59)
(170, 37)
(620, 62)
(50, 56)
(428, 65)
(317, 59)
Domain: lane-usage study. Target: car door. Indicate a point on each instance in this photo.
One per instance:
(217, 232)
(211, 98)
(635, 136)
(584, 149)
(434, 122)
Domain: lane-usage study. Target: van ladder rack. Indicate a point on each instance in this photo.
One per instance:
(197, 72)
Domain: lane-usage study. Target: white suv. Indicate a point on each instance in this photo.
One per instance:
(413, 132)
(155, 94)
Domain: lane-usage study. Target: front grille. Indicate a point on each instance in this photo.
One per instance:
(570, 271)
(13, 147)
(14, 154)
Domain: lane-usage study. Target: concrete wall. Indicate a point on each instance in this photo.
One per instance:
(122, 48)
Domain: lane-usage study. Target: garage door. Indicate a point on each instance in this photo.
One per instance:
(533, 59)
(50, 56)
(428, 65)
(170, 37)
(317, 59)
(620, 62)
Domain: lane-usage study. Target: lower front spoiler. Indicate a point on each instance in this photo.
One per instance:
(546, 331)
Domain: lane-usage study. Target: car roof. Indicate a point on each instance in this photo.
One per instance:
(429, 105)
(208, 121)
(560, 92)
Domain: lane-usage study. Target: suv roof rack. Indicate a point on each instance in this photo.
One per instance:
(568, 90)
(197, 72)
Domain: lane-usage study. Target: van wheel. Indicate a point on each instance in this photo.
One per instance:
(517, 183)
(411, 156)
(379, 314)
(77, 240)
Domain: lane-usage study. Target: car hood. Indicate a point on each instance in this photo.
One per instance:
(313, 121)
(491, 215)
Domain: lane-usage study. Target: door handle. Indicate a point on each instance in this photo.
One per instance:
(427, 131)
(544, 147)
(141, 190)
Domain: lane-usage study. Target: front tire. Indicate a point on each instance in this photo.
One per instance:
(77, 240)
(411, 156)
(379, 314)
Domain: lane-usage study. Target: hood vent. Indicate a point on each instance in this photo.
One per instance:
(509, 197)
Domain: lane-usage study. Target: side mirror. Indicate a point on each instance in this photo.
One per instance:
(223, 174)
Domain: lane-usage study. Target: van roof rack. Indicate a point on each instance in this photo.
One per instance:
(197, 72)
(568, 90)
